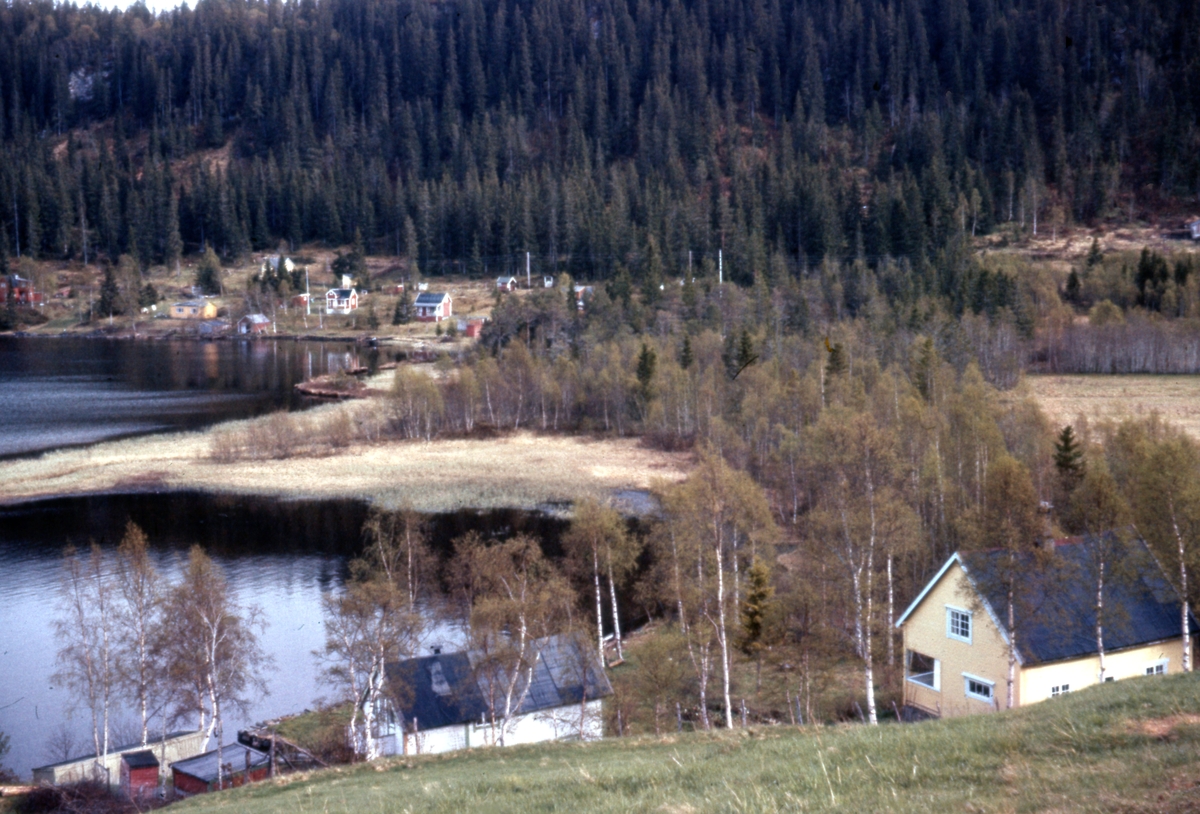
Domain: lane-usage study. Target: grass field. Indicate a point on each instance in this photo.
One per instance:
(1129, 747)
(1065, 398)
(521, 470)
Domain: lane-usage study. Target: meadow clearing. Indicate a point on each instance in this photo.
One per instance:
(1064, 398)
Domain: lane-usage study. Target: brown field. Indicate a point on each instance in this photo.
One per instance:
(1065, 398)
(520, 470)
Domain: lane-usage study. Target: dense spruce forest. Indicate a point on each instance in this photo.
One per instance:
(597, 136)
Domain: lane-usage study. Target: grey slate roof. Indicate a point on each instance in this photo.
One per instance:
(204, 767)
(430, 299)
(444, 690)
(1056, 615)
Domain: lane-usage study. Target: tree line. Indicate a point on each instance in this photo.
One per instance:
(593, 136)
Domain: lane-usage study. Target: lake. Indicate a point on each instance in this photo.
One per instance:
(283, 556)
(57, 392)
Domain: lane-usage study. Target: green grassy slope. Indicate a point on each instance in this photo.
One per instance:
(1131, 746)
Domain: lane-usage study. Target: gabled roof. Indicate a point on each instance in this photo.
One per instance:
(1056, 614)
(340, 293)
(431, 298)
(238, 757)
(444, 689)
(257, 319)
(189, 304)
(506, 279)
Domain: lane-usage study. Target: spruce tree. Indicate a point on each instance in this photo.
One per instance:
(1068, 459)
(402, 314)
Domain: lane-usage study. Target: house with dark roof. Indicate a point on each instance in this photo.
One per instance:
(449, 701)
(956, 636)
(433, 307)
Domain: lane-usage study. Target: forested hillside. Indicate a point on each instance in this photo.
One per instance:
(595, 134)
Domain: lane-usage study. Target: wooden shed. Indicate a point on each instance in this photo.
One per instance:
(139, 775)
(199, 774)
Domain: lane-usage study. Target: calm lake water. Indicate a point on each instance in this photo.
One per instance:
(280, 555)
(57, 392)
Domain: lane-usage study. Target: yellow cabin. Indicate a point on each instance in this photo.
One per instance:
(956, 635)
(194, 309)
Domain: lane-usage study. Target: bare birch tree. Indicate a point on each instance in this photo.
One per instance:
(509, 598)
(223, 638)
(140, 590)
(86, 630)
(713, 510)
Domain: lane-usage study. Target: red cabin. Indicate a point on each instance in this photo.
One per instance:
(139, 775)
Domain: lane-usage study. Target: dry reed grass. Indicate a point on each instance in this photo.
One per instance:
(1065, 398)
(520, 470)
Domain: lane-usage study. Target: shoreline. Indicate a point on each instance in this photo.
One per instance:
(521, 470)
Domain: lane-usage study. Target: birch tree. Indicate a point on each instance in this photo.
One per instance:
(86, 630)
(853, 461)
(1010, 526)
(223, 638)
(1167, 509)
(140, 591)
(725, 515)
(378, 619)
(509, 599)
(1102, 514)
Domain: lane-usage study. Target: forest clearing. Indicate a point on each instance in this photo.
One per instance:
(1097, 397)
(1127, 746)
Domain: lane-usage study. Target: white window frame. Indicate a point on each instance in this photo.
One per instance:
(991, 685)
(937, 676)
(950, 634)
(1151, 668)
(1059, 689)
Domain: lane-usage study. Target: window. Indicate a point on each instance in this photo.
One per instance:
(958, 624)
(1157, 668)
(924, 670)
(1109, 678)
(1059, 689)
(978, 688)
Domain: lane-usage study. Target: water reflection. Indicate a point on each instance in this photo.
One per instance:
(65, 391)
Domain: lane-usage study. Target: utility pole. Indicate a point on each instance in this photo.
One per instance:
(689, 265)
(720, 268)
(528, 278)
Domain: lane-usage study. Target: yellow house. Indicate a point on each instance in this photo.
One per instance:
(956, 638)
(194, 309)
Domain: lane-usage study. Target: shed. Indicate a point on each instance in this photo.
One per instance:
(474, 328)
(139, 775)
(547, 281)
(253, 324)
(508, 283)
(583, 293)
(199, 774)
(433, 307)
(1194, 229)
